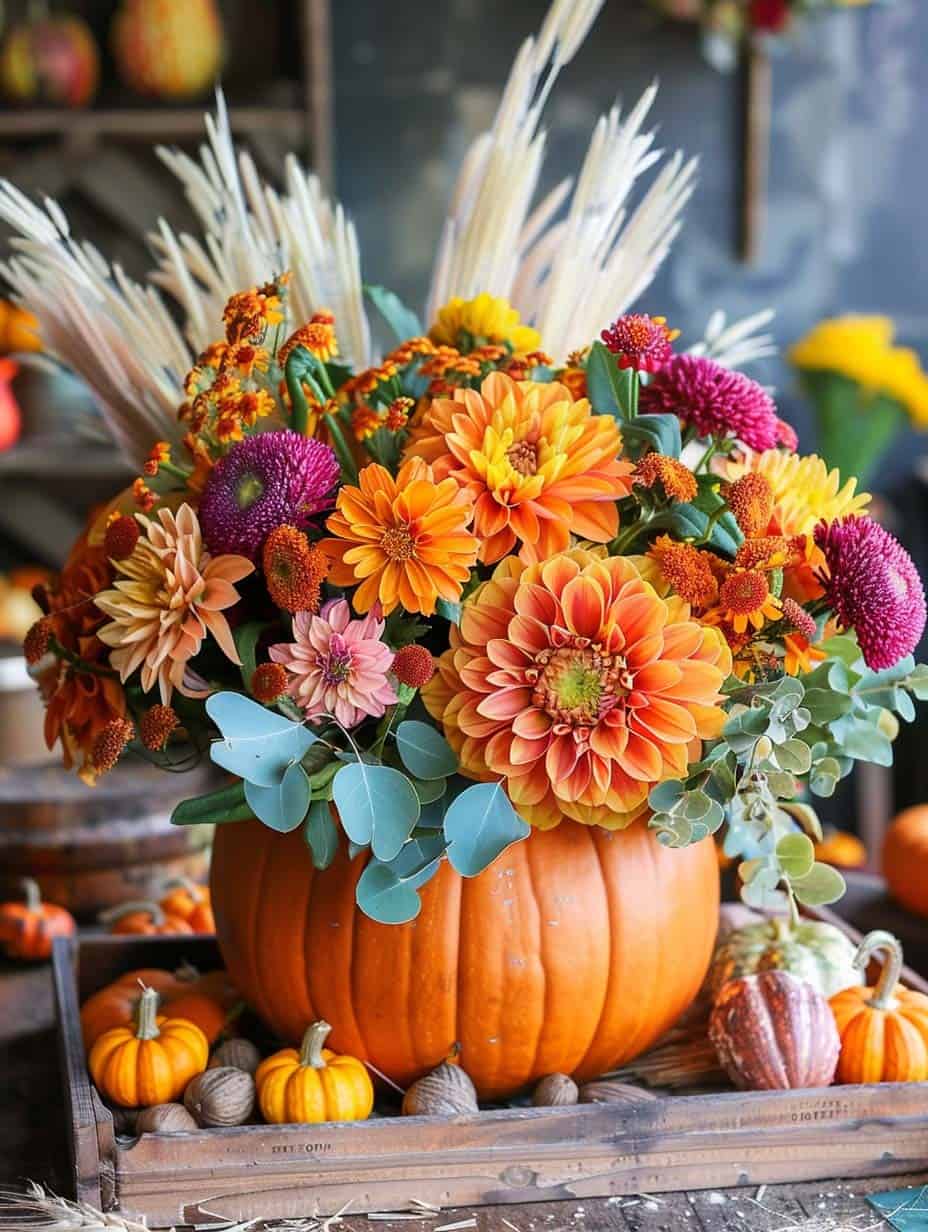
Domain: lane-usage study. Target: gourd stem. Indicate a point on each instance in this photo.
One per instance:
(31, 893)
(148, 1014)
(181, 883)
(782, 927)
(187, 972)
(892, 967)
(311, 1048)
(117, 913)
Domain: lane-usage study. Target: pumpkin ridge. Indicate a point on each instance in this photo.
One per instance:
(776, 1056)
(598, 1025)
(354, 975)
(630, 1043)
(546, 983)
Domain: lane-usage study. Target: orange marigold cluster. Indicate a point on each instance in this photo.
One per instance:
(294, 569)
(745, 599)
(143, 496)
(121, 535)
(249, 314)
(317, 336)
(268, 682)
(397, 414)
(750, 499)
(768, 552)
(365, 421)
(110, 743)
(676, 479)
(689, 571)
(157, 725)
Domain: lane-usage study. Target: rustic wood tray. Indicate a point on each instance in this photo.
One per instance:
(500, 1156)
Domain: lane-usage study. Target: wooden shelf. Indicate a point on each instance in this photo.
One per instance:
(143, 123)
(45, 458)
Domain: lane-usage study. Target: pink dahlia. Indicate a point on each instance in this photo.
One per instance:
(716, 401)
(337, 666)
(640, 342)
(264, 482)
(873, 588)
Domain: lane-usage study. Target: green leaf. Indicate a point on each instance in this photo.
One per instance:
(388, 892)
(658, 432)
(377, 805)
(819, 887)
(826, 705)
(257, 744)
(794, 756)
(824, 777)
(450, 611)
(479, 825)
(282, 807)
(917, 681)
(612, 390)
(321, 834)
(665, 795)
(429, 790)
(806, 816)
(403, 321)
(796, 854)
(863, 741)
(424, 751)
(213, 808)
(246, 639)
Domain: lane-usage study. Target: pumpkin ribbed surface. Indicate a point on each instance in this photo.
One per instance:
(571, 953)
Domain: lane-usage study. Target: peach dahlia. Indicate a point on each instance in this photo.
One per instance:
(538, 465)
(577, 684)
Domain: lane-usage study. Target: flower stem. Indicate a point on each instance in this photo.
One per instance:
(342, 451)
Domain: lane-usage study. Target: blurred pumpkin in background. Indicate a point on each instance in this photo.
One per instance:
(841, 848)
(905, 859)
(50, 60)
(168, 49)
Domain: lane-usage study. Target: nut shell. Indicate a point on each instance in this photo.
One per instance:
(222, 1096)
(446, 1091)
(165, 1119)
(236, 1054)
(555, 1090)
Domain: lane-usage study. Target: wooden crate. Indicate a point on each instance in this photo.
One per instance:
(508, 1155)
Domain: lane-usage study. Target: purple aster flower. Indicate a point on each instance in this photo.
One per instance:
(640, 341)
(716, 401)
(263, 482)
(873, 588)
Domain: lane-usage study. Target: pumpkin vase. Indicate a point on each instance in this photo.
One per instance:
(570, 954)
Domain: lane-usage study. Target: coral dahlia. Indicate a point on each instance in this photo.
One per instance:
(714, 400)
(574, 681)
(168, 595)
(337, 666)
(263, 482)
(405, 539)
(873, 588)
(538, 465)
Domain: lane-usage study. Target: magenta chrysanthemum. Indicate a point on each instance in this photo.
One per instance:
(337, 666)
(716, 401)
(640, 341)
(873, 588)
(263, 482)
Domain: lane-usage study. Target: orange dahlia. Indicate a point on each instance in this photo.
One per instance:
(405, 540)
(575, 682)
(537, 464)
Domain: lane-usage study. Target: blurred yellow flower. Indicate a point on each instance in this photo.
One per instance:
(861, 349)
(471, 323)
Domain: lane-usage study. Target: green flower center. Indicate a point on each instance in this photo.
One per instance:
(249, 489)
(578, 684)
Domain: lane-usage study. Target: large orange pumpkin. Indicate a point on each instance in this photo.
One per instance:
(905, 859)
(572, 953)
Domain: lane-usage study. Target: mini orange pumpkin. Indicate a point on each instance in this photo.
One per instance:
(208, 1000)
(905, 859)
(884, 1029)
(190, 902)
(27, 929)
(144, 918)
(313, 1085)
(151, 1064)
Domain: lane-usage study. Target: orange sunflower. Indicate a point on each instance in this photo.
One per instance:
(538, 465)
(405, 540)
(575, 682)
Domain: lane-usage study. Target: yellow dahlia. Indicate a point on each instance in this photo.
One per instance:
(537, 465)
(405, 540)
(471, 323)
(168, 595)
(576, 683)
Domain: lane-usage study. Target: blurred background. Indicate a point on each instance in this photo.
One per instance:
(382, 100)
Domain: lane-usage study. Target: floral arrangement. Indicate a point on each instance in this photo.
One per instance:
(726, 23)
(864, 389)
(536, 562)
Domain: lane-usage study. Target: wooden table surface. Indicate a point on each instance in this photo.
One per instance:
(33, 1147)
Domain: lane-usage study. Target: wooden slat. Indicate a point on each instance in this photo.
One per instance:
(84, 1147)
(143, 123)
